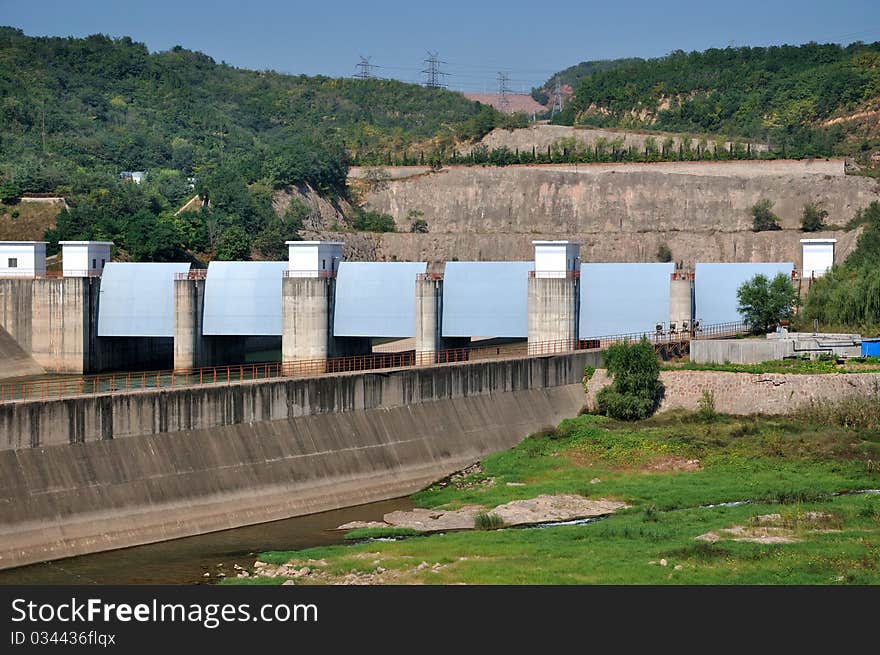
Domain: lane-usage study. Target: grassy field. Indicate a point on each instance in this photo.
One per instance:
(799, 366)
(668, 469)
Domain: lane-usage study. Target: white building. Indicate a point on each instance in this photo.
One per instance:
(557, 258)
(22, 258)
(818, 256)
(313, 258)
(84, 258)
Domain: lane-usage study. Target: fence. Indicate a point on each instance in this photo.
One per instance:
(43, 275)
(140, 381)
(192, 274)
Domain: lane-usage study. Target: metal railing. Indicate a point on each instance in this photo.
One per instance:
(308, 273)
(555, 274)
(192, 274)
(53, 388)
(48, 275)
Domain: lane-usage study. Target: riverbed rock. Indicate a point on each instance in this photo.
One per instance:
(548, 508)
(542, 509)
(433, 520)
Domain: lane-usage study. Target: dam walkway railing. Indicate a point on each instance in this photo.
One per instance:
(130, 381)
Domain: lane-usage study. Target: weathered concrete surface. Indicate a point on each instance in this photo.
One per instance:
(553, 304)
(747, 393)
(774, 347)
(739, 351)
(15, 362)
(95, 473)
(305, 316)
(429, 315)
(701, 210)
(681, 302)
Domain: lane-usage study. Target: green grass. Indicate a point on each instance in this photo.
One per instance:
(798, 366)
(782, 465)
(380, 533)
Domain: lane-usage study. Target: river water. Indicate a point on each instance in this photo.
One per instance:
(185, 561)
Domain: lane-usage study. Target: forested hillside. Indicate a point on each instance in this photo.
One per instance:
(573, 75)
(74, 113)
(788, 96)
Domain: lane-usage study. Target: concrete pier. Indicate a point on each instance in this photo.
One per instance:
(306, 317)
(429, 318)
(189, 302)
(553, 313)
(681, 296)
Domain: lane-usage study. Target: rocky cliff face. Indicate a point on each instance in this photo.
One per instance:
(618, 212)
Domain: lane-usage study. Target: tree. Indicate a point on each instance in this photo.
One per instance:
(763, 217)
(813, 218)
(636, 390)
(764, 303)
(234, 244)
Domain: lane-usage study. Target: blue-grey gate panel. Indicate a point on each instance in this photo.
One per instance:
(137, 300)
(715, 286)
(486, 299)
(243, 299)
(623, 298)
(376, 299)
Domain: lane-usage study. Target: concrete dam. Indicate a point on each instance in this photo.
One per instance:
(85, 474)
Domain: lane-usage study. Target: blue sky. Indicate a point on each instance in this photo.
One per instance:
(528, 40)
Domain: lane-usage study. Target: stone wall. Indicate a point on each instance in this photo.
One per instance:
(746, 393)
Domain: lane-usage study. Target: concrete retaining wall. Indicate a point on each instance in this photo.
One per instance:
(746, 393)
(621, 212)
(95, 473)
(739, 351)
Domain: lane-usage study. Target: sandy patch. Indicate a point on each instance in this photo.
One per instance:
(754, 534)
(672, 464)
(773, 528)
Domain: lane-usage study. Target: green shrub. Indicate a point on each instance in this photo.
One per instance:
(813, 218)
(636, 390)
(763, 217)
(488, 521)
(588, 375)
(706, 406)
(664, 254)
(369, 221)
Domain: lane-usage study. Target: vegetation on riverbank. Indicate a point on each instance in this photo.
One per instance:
(673, 469)
(799, 366)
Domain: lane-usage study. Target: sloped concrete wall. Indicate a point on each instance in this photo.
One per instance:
(95, 473)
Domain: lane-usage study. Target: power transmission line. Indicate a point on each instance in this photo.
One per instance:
(434, 76)
(503, 90)
(365, 69)
(557, 98)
